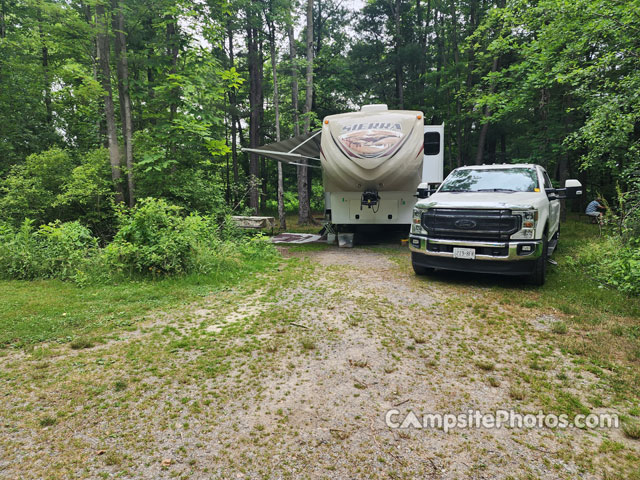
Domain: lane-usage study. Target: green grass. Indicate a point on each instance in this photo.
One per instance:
(575, 292)
(308, 247)
(52, 310)
(294, 227)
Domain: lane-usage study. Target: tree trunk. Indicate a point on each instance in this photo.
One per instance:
(276, 107)
(263, 162)
(294, 80)
(255, 94)
(487, 114)
(172, 51)
(232, 107)
(318, 29)
(105, 80)
(564, 162)
(304, 210)
(456, 60)
(398, 63)
(3, 26)
(151, 77)
(309, 89)
(47, 76)
(473, 22)
(123, 95)
(422, 29)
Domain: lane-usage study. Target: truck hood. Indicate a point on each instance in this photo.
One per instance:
(484, 200)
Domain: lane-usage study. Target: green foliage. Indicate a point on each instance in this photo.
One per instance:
(30, 190)
(156, 238)
(51, 186)
(615, 259)
(55, 250)
(88, 191)
(153, 239)
(612, 263)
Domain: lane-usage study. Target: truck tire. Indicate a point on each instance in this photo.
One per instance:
(539, 274)
(420, 270)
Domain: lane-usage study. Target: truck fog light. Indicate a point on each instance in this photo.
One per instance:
(526, 249)
(415, 242)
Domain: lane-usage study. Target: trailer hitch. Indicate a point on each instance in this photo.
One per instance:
(370, 199)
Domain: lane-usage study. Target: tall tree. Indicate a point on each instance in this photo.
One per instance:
(304, 210)
(123, 95)
(233, 105)
(173, 50)
(276, 107)
(109, 111)
(486, 115)
(397, 39)
(255, 105)
(294, 78)
(3, 26)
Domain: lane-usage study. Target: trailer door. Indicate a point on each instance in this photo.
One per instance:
(433, 163)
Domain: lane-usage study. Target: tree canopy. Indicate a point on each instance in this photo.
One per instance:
(105, 102)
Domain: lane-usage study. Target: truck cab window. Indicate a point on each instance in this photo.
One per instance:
(491, 180)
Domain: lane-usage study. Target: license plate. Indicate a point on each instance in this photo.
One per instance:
(468, 253)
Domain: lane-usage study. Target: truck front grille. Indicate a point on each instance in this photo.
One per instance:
(470, 224)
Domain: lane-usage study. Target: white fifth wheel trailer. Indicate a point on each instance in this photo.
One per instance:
(372, 162)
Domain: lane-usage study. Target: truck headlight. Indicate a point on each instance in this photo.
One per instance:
(416, 225)
(529, 219)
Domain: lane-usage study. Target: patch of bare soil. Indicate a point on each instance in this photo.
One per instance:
(295, 379)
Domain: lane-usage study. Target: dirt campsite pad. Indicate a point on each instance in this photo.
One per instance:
(292, 375)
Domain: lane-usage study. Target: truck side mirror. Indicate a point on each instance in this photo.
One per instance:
(425, 190)
(573, 188)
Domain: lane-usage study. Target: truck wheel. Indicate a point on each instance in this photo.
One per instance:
(420, 270)
(539, 274)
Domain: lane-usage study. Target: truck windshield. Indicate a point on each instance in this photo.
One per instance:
(491, 180)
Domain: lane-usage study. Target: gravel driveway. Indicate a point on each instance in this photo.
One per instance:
(292, 375)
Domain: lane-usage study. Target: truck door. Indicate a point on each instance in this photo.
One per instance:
(554, 207)
(433, 162)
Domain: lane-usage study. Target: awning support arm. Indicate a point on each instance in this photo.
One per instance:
(302, 143)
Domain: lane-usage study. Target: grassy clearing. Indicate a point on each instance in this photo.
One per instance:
(52, 310)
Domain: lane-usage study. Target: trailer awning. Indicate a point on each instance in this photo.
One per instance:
(292, 150)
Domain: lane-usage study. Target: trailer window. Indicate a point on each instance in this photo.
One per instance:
(431, 143)
(491, 180)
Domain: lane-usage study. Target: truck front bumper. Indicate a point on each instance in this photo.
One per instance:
(510, 258)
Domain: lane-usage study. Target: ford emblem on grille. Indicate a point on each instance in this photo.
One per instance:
(465, 224)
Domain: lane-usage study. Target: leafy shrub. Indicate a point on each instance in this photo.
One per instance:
(56, 250)
(621, 267)
(612, 262)
(156, 238)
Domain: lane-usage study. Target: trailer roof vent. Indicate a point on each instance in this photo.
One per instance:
(380, 107)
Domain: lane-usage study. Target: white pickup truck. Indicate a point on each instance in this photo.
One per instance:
(489, 219)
